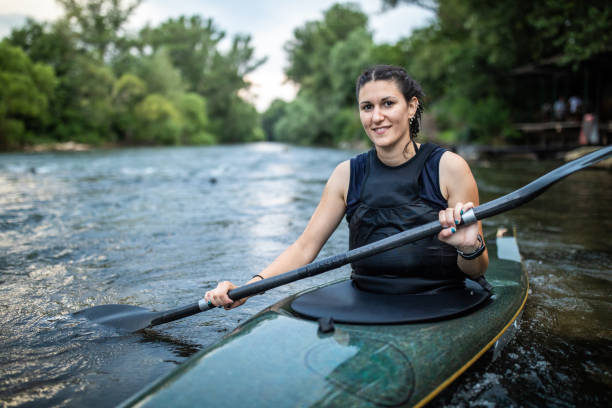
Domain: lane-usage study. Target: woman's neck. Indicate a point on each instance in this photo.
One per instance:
(397, 154)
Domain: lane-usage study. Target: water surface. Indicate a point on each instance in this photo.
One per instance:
(158, 227)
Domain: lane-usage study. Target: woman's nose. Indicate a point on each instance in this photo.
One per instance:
(377, 115)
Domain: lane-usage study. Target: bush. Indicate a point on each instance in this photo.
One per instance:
(158, 120)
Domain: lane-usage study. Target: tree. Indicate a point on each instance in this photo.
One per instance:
(191, 45)
(431, 5)
(274, 113)
(128, 91)
(158, 121)
(195, 118)
(109, 82)
(156, 92)
(54, 44)
(302, 124)
(84, 103)
(81, 104)
(325, 58)
(160, 75)
(310, 49)
(99, 23)
(25, 90)
(465, 57)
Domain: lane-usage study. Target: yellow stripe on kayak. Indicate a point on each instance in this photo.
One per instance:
(476, 357)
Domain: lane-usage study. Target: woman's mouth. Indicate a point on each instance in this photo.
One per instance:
(381, 130)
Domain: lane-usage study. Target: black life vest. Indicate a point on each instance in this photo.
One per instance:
(389, 203)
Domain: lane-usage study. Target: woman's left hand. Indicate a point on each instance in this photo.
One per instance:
(464, 237)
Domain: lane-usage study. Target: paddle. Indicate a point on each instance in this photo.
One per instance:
(135, 318)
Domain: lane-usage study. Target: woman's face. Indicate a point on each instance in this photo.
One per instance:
(385, 114)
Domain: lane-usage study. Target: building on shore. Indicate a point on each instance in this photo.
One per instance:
(562, 106)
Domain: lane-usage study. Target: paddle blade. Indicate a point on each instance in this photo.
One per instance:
(123, 317)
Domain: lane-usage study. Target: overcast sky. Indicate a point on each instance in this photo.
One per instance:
(269, 22)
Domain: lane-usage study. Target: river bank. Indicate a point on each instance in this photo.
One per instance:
(58, 147)
(468, 151)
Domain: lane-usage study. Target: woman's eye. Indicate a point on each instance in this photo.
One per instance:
(388, 103)
(366, 107)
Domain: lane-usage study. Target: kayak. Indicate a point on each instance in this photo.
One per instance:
(280, 358)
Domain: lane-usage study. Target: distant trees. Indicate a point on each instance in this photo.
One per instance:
(325, 57)
(465, 58)
(168, 84)
(84, 78)
(25, 90)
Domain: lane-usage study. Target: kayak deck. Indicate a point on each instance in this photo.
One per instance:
(279, 359)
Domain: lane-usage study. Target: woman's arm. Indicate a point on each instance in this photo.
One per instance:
(459, 188)
(305, 249)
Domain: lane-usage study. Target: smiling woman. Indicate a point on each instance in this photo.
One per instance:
(398, 185)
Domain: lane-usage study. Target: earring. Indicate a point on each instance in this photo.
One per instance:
(411, 120)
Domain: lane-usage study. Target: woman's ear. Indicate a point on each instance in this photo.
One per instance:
(413, 105)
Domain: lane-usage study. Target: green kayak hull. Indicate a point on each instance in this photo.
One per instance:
(278, 359)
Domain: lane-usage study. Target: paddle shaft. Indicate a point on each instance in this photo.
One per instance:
(497, 206)
(176, 314)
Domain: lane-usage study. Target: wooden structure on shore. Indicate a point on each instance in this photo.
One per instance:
(565, 134)
(559, 106)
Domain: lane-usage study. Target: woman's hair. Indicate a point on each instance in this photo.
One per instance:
(408, 86)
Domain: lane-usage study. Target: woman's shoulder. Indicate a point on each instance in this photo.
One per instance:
(452, 163)
(341, 175)
(343, 167)
(455, 173)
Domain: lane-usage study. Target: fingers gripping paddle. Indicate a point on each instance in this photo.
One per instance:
(133, 318)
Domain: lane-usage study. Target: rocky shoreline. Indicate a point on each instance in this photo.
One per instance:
(59, 147)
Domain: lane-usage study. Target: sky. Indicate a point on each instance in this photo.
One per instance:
(269, 22)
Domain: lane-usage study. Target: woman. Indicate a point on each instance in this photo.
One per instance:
(397, 185)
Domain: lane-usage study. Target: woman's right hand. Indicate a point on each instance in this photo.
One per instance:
(219, 297)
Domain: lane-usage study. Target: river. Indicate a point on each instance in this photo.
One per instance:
(157, 227)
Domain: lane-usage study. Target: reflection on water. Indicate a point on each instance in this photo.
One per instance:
(157, 227)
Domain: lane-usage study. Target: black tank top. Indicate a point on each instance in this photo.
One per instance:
(389, 202)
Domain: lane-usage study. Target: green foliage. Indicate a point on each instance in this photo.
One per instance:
(83, 78)
(464, 58)
(347, 128)
(239, 122)
(160, 74)
(302, 124)
(325, 59)
(127, 92)
(574, 29)
(98, 23)
(160, 86)
(276, 110)
(158, 121)
(347, 59)
(196, 124)
(84, 103)
(191, 46)
(81, 105)
(54, 44)
(25, 90)
(311, 48)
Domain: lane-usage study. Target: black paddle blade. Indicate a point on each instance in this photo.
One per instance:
(123, 317)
